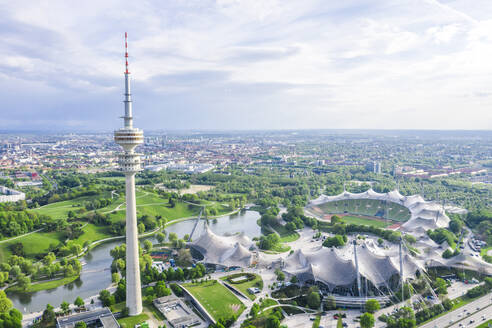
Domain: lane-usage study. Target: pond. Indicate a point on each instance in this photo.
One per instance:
(96, 273)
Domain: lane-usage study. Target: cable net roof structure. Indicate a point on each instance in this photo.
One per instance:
(224, 250)
(337, 267)
(424, 215)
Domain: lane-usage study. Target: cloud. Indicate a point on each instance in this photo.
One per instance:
(236, 64)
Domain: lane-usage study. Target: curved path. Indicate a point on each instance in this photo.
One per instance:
(20, 236)
(305, 310)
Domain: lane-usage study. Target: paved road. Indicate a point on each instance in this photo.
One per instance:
(451, 319)
(478, 318)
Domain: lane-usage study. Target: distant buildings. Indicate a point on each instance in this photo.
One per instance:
(374, 167)
(187, 168)
(10, 195)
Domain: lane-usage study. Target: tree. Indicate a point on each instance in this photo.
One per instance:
(106, 298)
(80, 324)
(48, 316)
(160, 237)
(330, 303)
(367, 320)
(141, 228)
(173, 237)
(65, 306)
(272, 322)
(147, 245)
(440, 286)
(455, 226)
(23, 281)
(294, 279)
(79, 302)
(161, 289)
(335, 241)
(447, 254)
(49, 258)
(372, 305)
(254, 310)
(115, 277)
(5, 302)
(335, 219)
(313, 300)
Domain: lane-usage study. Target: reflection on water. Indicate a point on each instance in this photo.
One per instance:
(96, 273)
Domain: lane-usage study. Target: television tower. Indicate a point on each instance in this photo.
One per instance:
(129, 137)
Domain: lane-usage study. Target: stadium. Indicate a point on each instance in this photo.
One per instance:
(365, 266)
(409, 213)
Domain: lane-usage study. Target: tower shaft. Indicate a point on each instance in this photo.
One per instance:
(133, 285)
(129, 138)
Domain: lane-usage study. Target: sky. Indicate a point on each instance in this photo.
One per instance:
(247, 65)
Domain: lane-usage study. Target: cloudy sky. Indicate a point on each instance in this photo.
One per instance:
(238, 64)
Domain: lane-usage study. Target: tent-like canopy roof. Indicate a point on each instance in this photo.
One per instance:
(428, 215)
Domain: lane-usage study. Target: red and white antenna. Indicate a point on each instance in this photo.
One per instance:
(126, 53)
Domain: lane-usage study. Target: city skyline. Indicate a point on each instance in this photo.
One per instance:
(248, 66)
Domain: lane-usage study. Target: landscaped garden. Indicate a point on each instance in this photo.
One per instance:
(250, 281)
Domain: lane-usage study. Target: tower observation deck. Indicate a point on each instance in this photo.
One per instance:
(129, 138)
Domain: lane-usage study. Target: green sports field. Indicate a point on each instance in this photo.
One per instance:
(216, 299)
(366, 221)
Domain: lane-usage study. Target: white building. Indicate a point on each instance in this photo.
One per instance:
(10, 195)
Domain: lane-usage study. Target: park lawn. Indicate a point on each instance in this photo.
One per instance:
(37, 286)
(59, 210)
(181, 210)
(286, 235)
(34, 244)
(93, 233)
(365, 221)
(118, 307)
(130, 322)
(216, 299)
(243, 287)
(484, 250)
(280, 248)
(267, 302)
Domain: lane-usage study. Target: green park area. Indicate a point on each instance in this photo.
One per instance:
(243, 281)
(44, 285)
(39, 243)
(34, 244)
(59, 210)
(286, 235)
(130, 322)
(216, 299)
(378, 223)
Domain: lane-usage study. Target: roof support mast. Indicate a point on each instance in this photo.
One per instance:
(401, 269)
(357, 268)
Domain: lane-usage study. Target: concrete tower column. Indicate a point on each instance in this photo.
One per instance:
(129, 138)
(133, 289)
